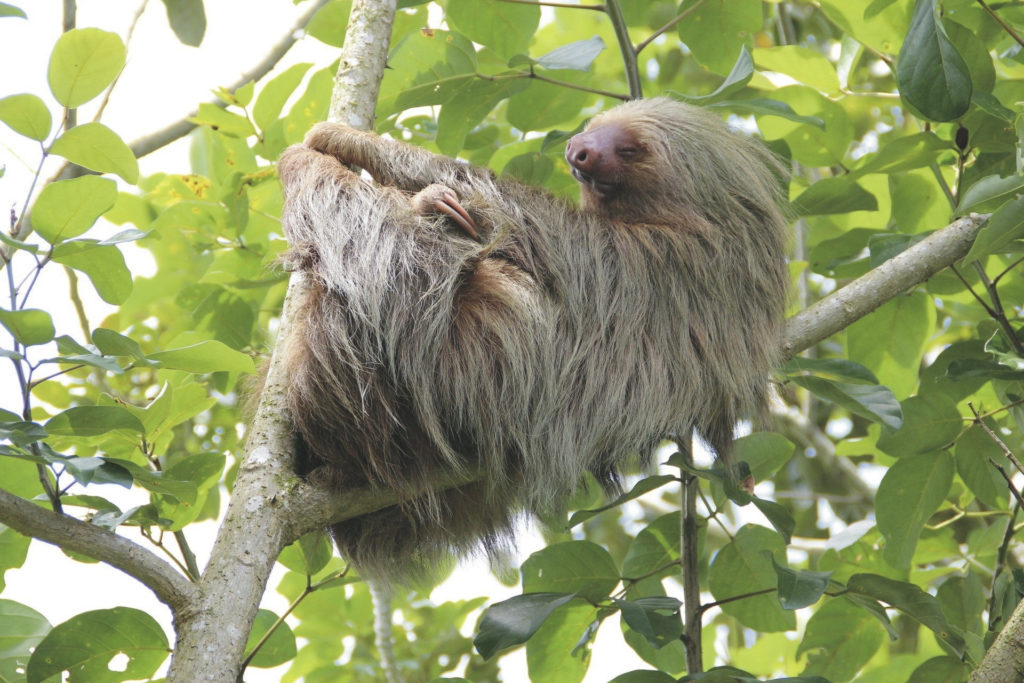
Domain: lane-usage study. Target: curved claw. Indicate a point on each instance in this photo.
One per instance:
(449, 205)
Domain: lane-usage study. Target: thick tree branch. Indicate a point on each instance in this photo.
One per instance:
(154, 141)
(170, 587)
(905, 270)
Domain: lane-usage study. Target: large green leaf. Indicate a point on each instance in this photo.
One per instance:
(93, 420)
(930, 422)
(85, 644)
(83, 63)
(505, 27)
(910, 492)
(839, 639)
(716, 31)
(187, 19)
(910, 600)
(579, 567)
(21, 630)
(29, 326)
(104, 264)
(98, 148)
(1001, 229)
(513, 621)
(67, 208)
(27, 115)
(932, 75)
(206, 356)
(742, 568)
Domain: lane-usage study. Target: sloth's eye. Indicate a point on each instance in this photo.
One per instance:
(627, 152)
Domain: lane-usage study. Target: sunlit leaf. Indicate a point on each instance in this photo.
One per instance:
(83, 63)
(27, 115)
(98, 148)
(85, 644)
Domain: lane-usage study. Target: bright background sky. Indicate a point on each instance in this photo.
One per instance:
(161, 83)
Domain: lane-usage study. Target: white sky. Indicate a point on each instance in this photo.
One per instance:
(162, 81)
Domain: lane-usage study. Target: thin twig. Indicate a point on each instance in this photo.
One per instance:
(667, 27)
(1006, 27)
(999, 442)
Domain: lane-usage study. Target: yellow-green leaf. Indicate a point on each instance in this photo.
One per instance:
(98, 148)
(83, 63)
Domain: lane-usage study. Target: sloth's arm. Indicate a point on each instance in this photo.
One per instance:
(395, 163)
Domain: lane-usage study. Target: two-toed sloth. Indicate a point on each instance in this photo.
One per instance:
(563, 341)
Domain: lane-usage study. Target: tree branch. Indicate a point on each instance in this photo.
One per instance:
(154, 141)
(264, 512)
(29, 519)
(905, 270)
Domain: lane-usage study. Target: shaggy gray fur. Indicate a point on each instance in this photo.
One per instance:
(567, 341)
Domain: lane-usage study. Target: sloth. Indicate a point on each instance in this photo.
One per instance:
(461, 326)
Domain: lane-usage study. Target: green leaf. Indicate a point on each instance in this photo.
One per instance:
(932, 75)
(655, 547)
(111, 343)
(187, 19)
(83, 63)
(559, 651)
(30, 326)
(7, 10)
(1002, 228)
(781, 520)
(930, 422)
(716, 31)
(873, 402)
(507, 28)
(98, 148)
(278, 648)
(963, 600)
(741, 568)
(741, 73)
(579, 567)
(104, 265)
(976, 455)
(329, 23)
(839, 368)
(579, 55)
(903, 154)
(512, 622)
(910, 492)
(67, 208)
(766, 107)
(910, 600)
(643, 486)
(21, 630)
(940, 670)
(833, 196)
(840, 638)
(542, 105)
(85, 644)
(273, 96)
(801, 64)
(204, 357)
(764, 452)
(990, 193)
(27, 115)
(467, 106)
(647, 616)
(93, 421)
(798, 589)
(891, 340)
(223, 121)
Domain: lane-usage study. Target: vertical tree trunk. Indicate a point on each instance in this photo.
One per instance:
(212, 633)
